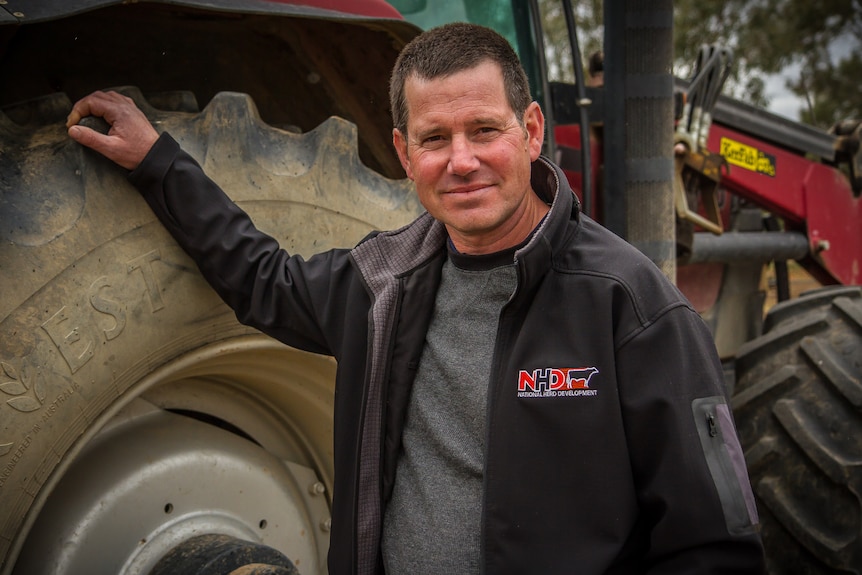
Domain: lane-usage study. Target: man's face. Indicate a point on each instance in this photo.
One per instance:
(470, 157)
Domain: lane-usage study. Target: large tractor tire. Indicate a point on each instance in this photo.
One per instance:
(136, 414)
(798, 407)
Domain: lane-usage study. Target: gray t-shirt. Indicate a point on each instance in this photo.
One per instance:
(432, 524)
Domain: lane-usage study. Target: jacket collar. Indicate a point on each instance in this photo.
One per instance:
(388, 255)
(550, 184)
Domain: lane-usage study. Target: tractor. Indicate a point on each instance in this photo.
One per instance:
(144, 431)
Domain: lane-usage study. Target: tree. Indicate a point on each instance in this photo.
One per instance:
(822, 40)
(588, 18)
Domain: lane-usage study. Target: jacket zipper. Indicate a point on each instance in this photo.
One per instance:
(494, 388)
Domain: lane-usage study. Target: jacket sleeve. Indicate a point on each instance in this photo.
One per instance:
(282, 295)
(690, 475)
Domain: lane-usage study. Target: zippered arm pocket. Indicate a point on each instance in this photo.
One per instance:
(726, 463)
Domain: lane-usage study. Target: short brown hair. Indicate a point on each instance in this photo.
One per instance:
(453, 48)
(596, 63)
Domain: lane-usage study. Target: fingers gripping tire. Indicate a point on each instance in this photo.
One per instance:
(798, 406)
(125, 383)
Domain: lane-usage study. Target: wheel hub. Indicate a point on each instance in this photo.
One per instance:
(153, 480)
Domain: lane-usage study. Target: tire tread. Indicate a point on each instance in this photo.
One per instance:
(798, 407)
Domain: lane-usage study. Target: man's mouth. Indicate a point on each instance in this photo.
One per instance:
(468, 189)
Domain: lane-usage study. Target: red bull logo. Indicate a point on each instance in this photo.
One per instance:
(556, 381)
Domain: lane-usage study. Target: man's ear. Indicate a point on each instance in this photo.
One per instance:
(534, 123)
(399, 140)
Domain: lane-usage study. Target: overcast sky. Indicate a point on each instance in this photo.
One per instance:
(781, 100)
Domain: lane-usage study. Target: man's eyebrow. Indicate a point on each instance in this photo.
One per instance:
(489, 121)
(436, 129)
(425, 132)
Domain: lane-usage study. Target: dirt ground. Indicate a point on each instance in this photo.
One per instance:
(800, 281)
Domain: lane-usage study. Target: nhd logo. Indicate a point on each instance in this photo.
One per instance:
(557, 382)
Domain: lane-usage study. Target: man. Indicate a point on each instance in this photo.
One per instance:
(596, 69)
(518, 390)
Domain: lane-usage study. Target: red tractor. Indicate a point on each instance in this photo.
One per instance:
(140, 425)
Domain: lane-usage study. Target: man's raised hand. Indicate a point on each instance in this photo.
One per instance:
(130, 136)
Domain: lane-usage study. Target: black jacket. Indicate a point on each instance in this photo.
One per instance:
(610, 446)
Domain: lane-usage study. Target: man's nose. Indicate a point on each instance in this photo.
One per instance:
(462, 158)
